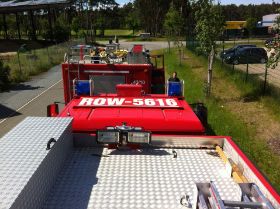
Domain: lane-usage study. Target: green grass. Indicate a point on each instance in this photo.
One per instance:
(110, 32)
(273, 105)
(35, 62)
(221, 120)
(252, 90)
(118, 32)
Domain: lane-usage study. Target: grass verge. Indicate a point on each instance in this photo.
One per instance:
(223, 120)
(34, 62)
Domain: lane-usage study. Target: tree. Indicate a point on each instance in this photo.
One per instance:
(209, 26)
(132, 21)
(151, 14)
(274, 54)
(76, 25)
(277, 22)
(251, 25)
(274, 46)
(242, 12)
(61, 30)
(4, 76)
(172, 25)
(91, 19)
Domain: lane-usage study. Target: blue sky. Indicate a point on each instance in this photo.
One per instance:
(225, 1)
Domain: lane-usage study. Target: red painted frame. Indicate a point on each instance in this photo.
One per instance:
(259, 175)
(132, 73)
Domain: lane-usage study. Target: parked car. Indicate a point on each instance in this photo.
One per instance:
(234, 49)
(247, 55)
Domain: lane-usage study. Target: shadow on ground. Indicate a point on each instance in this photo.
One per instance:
(209, 130)
(7, 112)
(22, 86)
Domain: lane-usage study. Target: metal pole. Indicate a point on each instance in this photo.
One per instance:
(242, 204)
(48, 54)
(233, 61)
(247, 71)
(18, 26)
(50, 23)
(247, 68)
(265, 80)
(180, 57)
(5, 26)
(223, 51)
(33, 36)
(19, 62)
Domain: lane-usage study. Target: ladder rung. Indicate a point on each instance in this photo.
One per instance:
(243, 204)
(208, 197)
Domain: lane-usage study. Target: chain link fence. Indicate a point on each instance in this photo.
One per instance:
(25, 63)
(270, 78)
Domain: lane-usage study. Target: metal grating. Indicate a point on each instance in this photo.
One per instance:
(151, 178)
(27, 169)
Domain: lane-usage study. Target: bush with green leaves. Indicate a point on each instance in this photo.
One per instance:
(4, 76)
(61, 33)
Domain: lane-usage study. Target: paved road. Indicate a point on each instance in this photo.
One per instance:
(30, 98)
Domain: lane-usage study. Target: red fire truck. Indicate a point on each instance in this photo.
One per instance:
(125, 139)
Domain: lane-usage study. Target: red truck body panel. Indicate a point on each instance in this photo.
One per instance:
(129, 73)
(133, 100)
(158, 113)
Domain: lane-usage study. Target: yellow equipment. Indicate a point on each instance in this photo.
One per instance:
(235, 24)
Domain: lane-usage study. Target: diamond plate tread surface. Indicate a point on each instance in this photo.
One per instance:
(22, 151)
(150, 178)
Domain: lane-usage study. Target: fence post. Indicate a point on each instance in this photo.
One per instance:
(19, 62)
(48, 54)
(247, 68)
(265, 79)
(223, 51)
(247, 71)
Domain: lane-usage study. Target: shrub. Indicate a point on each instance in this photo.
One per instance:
(4, 76)
(61, 33)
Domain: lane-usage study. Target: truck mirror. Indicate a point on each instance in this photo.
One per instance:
(52, 110)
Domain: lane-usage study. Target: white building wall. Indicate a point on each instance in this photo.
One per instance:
(268, 20)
